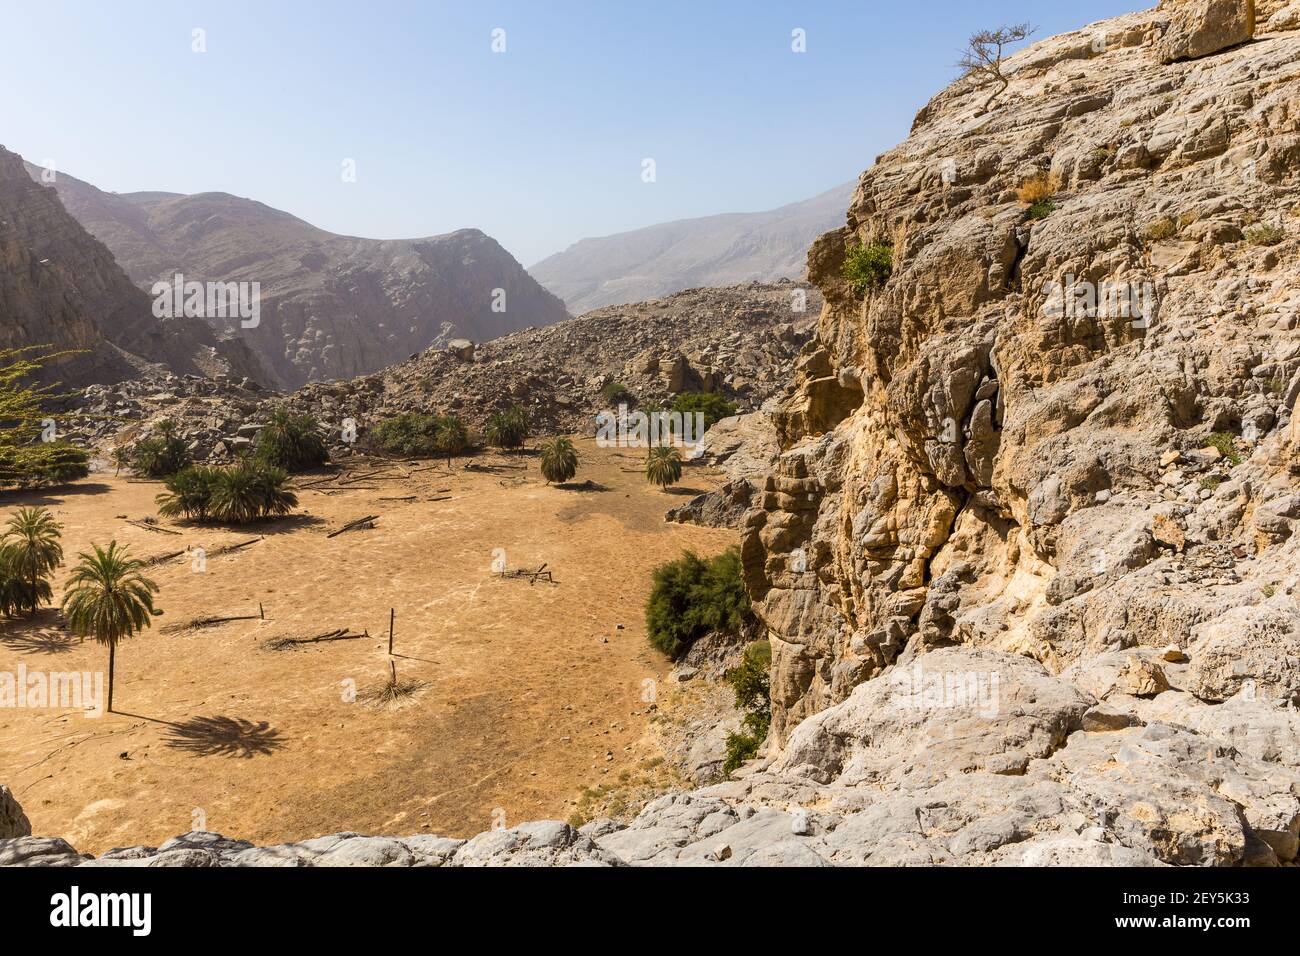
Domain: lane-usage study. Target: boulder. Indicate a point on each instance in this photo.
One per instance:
(1203, 27)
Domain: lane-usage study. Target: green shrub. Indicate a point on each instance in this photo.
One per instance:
(508, 429)
(868, 265)
(714, 406)
(693, 596)
(752, 683)
(1265, 235)
(291, 442)
(1226, 443)
(1041, 210)
(159, 455)
(615, 392)
(410, 434)
(559, 460)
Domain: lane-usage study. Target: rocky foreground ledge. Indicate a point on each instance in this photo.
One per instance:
(966, 757)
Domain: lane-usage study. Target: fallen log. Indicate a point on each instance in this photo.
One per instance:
(340, 634)
(368, 521)
(152, 527)
(201, 622)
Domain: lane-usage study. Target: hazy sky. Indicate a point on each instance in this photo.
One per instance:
(539, 146)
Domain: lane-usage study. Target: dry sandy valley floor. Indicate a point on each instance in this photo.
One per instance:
(529, 693)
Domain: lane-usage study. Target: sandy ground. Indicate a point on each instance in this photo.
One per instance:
(528, 694)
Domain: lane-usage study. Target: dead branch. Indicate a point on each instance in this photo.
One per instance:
(340, 634)
(366, 522)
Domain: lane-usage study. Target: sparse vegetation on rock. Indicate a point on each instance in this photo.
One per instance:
(868, 265)
(752, 684)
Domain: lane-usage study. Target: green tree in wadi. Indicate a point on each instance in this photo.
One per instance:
(107, 598)
(29, 454)
(559, 460)
(664, 466)
(32, 541)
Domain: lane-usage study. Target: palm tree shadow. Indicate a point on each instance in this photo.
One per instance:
(223, 736)
(42, 634)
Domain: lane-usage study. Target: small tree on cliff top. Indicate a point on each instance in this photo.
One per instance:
(981, 61)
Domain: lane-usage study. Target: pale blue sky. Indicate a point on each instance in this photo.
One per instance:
(538, 146)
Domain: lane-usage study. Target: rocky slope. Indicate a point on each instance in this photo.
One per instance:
(60, 286)
(1030, 574)
(331, 306)
(708, 251)
(741, 341)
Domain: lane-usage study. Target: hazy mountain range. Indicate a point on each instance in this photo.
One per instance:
(709, 251)
(331, 306)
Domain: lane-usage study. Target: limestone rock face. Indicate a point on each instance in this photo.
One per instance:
(1062, 431)
(13, 822)
(1202, 27)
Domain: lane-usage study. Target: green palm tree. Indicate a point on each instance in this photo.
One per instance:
(451, 436)
(107, 598)
(33, 537)
(189, 493)
(664, 466)
(274, 499)
(559, 460)
(13, 593)
(508, 429)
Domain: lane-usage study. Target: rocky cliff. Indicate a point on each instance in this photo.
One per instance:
(331, 306)
(1058, 430)
(60, 286)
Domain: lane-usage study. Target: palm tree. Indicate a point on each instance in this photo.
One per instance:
(451, 436)
(13, 593)
(291, 442)
(33, 536)
(109, 599)
(508, 429)
(274, 499)
(236, 495)
(559, 460)
(664, 466)
(189, 493)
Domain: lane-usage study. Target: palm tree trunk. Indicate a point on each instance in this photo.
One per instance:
(112, 655)
(34, 579)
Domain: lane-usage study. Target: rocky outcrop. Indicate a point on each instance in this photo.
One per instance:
(13, 822)
(1059, 430)
(738, 341)
(59, 286)
(660, 260)
(961, 756)
(332, 307)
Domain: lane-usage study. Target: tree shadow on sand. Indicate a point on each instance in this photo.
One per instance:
(223, 736)
(42, 634)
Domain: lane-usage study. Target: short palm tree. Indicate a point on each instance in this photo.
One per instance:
(451, 437)
(13, 593)
(508, 429)
(664, 466)
(33, 538)
(189, 493)
(107, 598)
(559, 460)
(274, 499)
